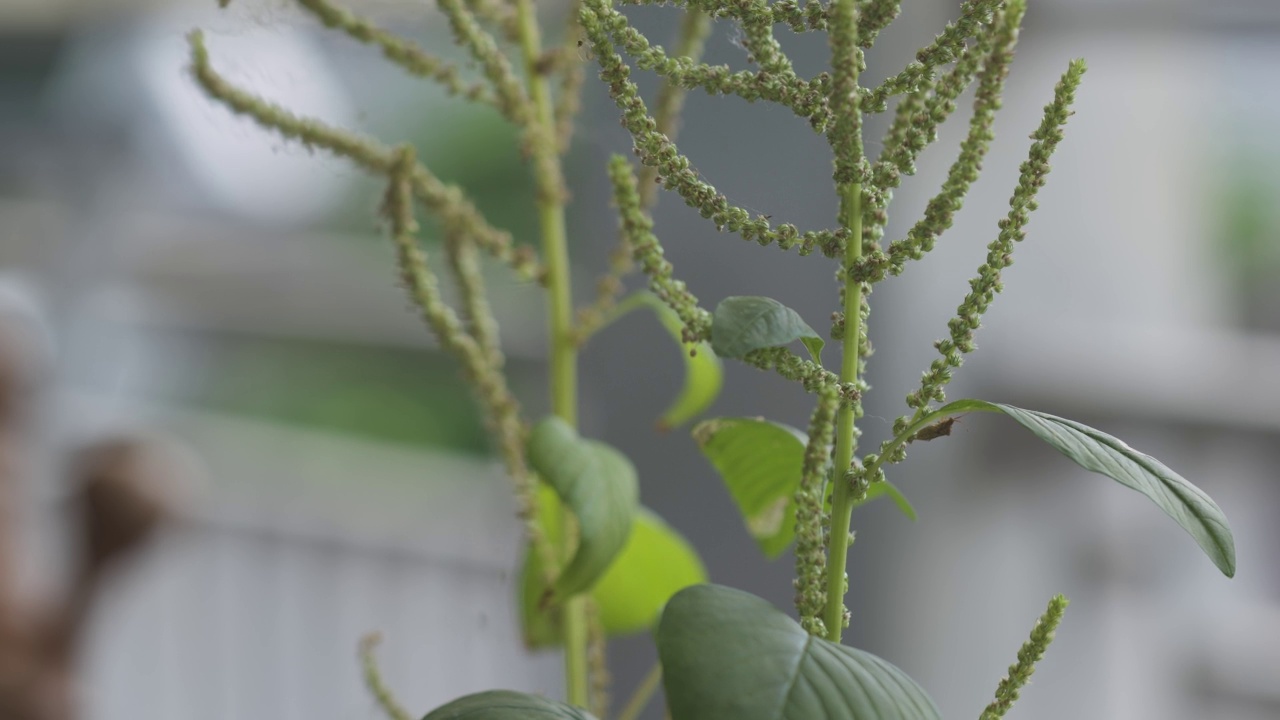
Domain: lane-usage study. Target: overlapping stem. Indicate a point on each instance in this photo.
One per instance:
(502, 409)
(403, 53)
(777, 83)
(988, 282)
(549, 184)
(811, 376)
(846, 142)
(690, 42)
(941, 210)
(810, 518)
(944, 49)
(447, 202)
(637, 227)
(674, 169)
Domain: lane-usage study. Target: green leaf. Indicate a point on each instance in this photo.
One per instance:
(729, 655)
(598, 485)
(1099, 452)
(745, 323)
(761, 462)
(506, 705)
(884, 488)
(655, 564)
(703, 372)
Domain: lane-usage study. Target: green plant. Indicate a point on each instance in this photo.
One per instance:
(590, 569)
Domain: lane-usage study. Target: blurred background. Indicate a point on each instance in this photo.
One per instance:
(200, 277)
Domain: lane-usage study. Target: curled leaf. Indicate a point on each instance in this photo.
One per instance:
(748, 322)
(598, 485)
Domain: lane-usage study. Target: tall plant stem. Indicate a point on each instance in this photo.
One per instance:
(564, 371)
(842, 497)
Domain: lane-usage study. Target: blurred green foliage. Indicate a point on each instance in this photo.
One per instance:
(413, 397)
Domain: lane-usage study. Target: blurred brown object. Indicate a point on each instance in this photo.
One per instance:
(121, 496)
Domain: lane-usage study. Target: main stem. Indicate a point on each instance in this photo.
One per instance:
(842, 497)
(564, 370)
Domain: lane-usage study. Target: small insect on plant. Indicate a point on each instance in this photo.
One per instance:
(942, 428)
(599, 565)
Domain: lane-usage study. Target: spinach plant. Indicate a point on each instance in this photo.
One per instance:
(597, 563)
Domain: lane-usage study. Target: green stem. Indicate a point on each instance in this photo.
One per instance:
(842, 501)
(564, 371)
(640, 698)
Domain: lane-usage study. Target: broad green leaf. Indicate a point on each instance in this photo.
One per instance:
(655, 564)
(760, 462)
(1099, 452)
(745, 323)
(598, 485)
(703, 372)
(729, 655)
(506, 705)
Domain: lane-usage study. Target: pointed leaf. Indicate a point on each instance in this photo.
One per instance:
(745, 323)
(729, 655)
(1094, 450)
(598, 485)
(506, 705)
(655, 564)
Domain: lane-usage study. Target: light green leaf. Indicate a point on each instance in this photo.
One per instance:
(745, 323)
(598, 485)
(1099, 452)
(655, 564)
(703, 372)
(506, 705)
(729, 655)
(761, 462)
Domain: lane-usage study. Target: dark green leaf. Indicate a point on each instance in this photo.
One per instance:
(1093, 450)
(598, 485)
(728, 655)
(655, 564)
(506, 705)
(745, 323)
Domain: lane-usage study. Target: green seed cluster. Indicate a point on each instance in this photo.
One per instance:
(999, 253)
(811, 519)
(812, 376)
(448, 202)
(874, 16)
(1031, 652)
(490, 385)
(511, 97)
(813, 16)
(941, 210)
(407, 55)
(944, 49)
(674, 170)
(776, 83)
(845, 133)
(637, 227)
